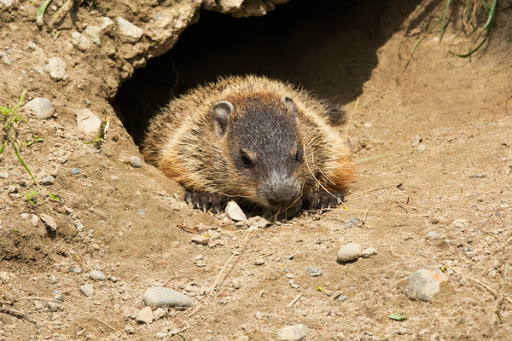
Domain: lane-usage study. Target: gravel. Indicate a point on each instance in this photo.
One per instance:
(87, 290)
(293, 333)
(97, 275)
(349, 252)
(41, 107)
(423, 284)
(312, 271)
(200, 239)
(234, 212)
(160, 296)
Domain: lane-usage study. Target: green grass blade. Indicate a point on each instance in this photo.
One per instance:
(443, 19)
(3, 146)
(40, 12)
(23, 163)
(492, 14)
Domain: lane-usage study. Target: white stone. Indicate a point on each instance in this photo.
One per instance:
(80, 41)
(49, 221)
(128, 31)
(42, 108)
(94, 32)
(87, 122)
(293, 333)
(349, 252)
(160, 296)
(145, 315)
(234, 212)
(6, 3)
(57, 69)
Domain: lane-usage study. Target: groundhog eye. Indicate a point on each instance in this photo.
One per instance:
(246, 161)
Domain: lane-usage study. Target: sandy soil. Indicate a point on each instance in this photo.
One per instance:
(432, 147)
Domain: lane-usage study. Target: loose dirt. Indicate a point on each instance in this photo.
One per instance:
(432, 147)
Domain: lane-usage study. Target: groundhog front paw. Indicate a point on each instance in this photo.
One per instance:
(204, 201)
(322, 199)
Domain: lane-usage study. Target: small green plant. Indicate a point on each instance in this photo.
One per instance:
(57, 16)
(30, 196)
(10, 116)
(399, 317)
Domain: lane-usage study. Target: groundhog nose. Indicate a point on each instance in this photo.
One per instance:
(281, 191)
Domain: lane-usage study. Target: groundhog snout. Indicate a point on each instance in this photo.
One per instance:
(280, 190)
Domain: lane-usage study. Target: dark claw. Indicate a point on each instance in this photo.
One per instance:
(204, 201)
(322, 199)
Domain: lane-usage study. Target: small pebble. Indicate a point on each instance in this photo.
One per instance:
(349, 252)
(113, 279)
(353, 222)
(159, 313)
(49, 222)
(129, 329)
(57, 295)
(160, 296)
(4, 175)
(34, 220)
(257, 222)
(53, 306)
(402, 331)
(341, 298)
(201, 263)
(80, 41)
(141, 212)
(423, 284)
(434, 235)
(87, 122)
(79, 226)
(258, 315)
(24, 215)
(234, 212)
(135, 162)
(76, 269)
(57, 69)
(42, 108)
(259, 261)
(128, 31)
(312, 271)
(97, 275)
(87, 290)
(421, 148)
(367, 253)
(293, 333)
(53, 279)
(145, 315)
(47, 180)
(75, 171)
(200, 239)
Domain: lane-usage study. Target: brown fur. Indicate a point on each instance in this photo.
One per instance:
(182, 137)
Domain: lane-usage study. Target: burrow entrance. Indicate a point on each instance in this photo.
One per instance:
(328, 47)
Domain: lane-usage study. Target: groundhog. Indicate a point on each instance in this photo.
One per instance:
(259, 141)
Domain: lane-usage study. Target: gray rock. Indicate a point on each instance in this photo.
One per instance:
(341, 298)
(53, 279)
(4, 175)
(24, 215)
(106, 23)
(434, 235)
(79, 226)
(234, 212)
(113, 279)
(6, 59)
(144, 315)
(42, 108)
(423, 284)
(97, 275)
(160, 296)
(367, 253)
(135, 162)
(128, 31)
(48, 221)
(57, 69)
(312, 271)
(200, 239)
(87, 122)
(47, 180)
(257, 223)
(80, 41)
(75, 171)
(349, 252)
(57, 295)
(293, 333)
(87, 290)
(353, 222)
(53, 306)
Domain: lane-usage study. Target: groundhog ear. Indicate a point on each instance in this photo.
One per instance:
(221, 112)
(288, 102)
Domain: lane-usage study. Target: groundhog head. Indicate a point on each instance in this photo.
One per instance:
(263, 145)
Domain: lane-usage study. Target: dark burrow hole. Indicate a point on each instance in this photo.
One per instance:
(328, 47)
